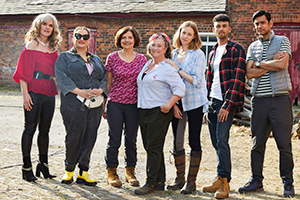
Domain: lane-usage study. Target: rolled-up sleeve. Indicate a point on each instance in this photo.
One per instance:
(65, 83)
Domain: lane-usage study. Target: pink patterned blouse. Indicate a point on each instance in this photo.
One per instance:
(124, 86)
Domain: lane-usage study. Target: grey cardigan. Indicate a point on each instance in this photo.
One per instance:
(71, 73)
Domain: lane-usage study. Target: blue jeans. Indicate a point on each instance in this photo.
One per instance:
(219, 134)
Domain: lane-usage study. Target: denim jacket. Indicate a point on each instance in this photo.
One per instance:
(71, 72)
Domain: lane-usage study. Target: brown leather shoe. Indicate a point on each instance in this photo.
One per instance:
(113, 178)
(130, 177)
(146, 189)
(214, 186)
(223, 190)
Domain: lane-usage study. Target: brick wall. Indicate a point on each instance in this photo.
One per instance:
(11, 44)
(241, 14)
(13, 31)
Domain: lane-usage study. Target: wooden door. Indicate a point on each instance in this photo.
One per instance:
(292, 31)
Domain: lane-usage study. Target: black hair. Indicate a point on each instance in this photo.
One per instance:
(221, 18)
(261, 13)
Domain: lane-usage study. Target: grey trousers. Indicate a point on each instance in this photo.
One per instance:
(121, 117)
(81, 127)
(272, 113)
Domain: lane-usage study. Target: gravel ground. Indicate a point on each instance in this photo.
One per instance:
(13, 187)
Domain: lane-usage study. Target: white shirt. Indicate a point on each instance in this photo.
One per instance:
(216, 91)
(158, 85)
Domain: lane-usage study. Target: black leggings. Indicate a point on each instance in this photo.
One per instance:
(194, 118)
(41, 115)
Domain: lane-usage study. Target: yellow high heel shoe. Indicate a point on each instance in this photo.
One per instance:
(68, 177)
(83, 178)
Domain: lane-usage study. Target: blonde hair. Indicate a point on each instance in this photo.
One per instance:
(34, 32)
(195, 44)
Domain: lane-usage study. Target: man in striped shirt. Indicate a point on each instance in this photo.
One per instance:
(267, 62)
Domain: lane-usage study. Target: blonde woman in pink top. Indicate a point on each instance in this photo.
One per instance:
(123, 68)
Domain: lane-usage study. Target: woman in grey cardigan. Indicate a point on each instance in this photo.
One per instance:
(81, 76)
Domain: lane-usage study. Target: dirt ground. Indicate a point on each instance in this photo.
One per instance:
(13, 187)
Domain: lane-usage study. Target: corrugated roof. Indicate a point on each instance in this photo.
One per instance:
(24, 7)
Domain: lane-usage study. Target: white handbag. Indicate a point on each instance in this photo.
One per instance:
(91, 103)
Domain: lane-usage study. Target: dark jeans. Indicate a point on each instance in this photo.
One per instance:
(272, 114)
(219, 134)
(194, 118)
(154, 126)
(81, 126)
(122, 117)
(41, 115)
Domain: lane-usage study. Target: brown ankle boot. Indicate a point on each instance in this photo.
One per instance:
(113, 178)
(213, 187)
(130, 177)
(179, 157)
(223, 190)
(190, 185)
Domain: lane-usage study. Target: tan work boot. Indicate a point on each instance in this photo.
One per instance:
(113, 178)
(130, 177)
(179, 157)
(223, 190)
(213, 187)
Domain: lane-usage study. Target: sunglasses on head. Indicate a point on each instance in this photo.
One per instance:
(78, 36)
(156, 35)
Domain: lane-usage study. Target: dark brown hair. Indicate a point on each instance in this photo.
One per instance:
(122, 31)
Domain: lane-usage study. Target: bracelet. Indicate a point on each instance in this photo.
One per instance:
(178, 70)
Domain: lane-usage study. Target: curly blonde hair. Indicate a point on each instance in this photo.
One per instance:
(34, 32)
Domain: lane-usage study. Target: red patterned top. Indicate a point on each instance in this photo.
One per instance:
(33, 60)
(124, 86)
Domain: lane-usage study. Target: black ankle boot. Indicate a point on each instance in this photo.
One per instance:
(27, 173)
(43, 167)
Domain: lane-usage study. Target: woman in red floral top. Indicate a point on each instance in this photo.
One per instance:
(123, 68)
(34, 72)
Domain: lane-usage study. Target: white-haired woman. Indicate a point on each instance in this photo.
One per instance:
(35, 72)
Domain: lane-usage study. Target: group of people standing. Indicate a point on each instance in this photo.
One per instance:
(171, 87)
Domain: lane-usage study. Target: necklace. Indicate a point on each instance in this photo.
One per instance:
(45, 45)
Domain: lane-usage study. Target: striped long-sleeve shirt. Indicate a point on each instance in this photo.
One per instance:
(232, 75)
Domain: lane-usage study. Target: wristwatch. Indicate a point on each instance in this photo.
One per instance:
(257, 63)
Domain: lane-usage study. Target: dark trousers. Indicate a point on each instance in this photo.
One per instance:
(194, 118)
(122, 117)
(41, 115)
(81, 126)
(219, 134)
(154, 126)
(272, 114)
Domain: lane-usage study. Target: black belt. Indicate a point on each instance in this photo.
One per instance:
(39, 75)
(271, 95)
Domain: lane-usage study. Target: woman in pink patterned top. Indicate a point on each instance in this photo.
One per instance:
(123, 68)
